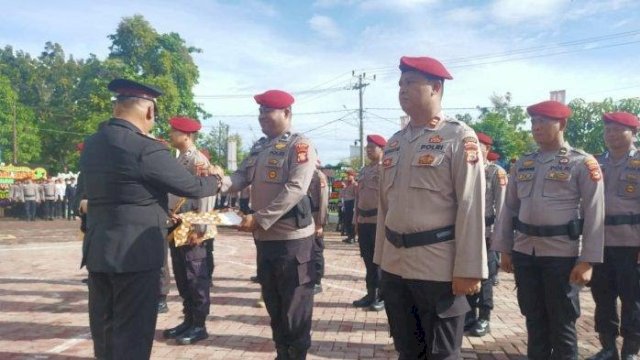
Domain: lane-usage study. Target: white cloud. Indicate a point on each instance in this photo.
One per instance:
(465, 15)
(400, 5)
(518, 11)
(325, 26)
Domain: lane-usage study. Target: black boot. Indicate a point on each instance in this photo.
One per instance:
(297, 354)
(192, 335)
(609, 350)
(366, 300)
(470, 319)
(481, 327)
(377, 304)
(630, 348)
(282, 352)
(178, 330)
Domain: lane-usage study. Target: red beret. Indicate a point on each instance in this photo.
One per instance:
(80, 146)
(492, 156)
(623, 118)
(425, 65)
(484, 138)
(551, 109)
(377, 139)
(185, 124)
(275, 99)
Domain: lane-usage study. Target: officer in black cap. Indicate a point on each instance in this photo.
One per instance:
(127, 175)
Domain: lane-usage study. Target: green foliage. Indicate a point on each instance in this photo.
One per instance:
(59, 100)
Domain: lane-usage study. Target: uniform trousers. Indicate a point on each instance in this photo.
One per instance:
(617, 277)
(550, 303)
(484, 299)
(318, 258)
(30, 209)
(425, 319)
(348, 218)
(191, 273)
(286, 274)
(49, 208)
(367, 244)
(123, 310)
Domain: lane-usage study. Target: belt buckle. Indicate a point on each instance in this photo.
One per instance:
(403, 241)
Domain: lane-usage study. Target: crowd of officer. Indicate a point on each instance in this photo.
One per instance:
(434, 216)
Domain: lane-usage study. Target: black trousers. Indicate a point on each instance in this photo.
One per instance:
(348, 217)
(210, 261)
(484, 299)
(164, 282)
(617, 277)
(550, 303)
(123, 310)
(49, 207)
(425, 318)
(30, 210)
(191, 273)
(318, 258)
(286, 273)
(367, 244)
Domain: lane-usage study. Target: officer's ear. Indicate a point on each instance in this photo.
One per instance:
(563, 124)
(287, 112)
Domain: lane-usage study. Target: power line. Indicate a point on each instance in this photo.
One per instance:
(329, 123)
(241, 96)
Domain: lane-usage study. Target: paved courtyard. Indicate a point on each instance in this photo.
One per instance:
(43, 305)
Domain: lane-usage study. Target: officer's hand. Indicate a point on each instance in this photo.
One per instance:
(84, 205)
(319, 231)
(465, 286)
(215, 170)
(248, 224)
(505, 263)
(194, 238)
(581, 273)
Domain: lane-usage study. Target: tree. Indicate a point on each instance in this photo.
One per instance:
(27, 134)
(506, 125)
(585, 129)
(163, 60)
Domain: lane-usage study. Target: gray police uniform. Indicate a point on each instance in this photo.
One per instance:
(430, 229)
(552, 198)
(319, 194)
(279, 171)
(619, 275)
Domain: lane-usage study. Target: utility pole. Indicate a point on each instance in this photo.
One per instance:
(360, 85)
(15, 135)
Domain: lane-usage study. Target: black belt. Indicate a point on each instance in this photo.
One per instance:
(489, 220)
(622, 219)
(367, 213)
(420, 238)
(549, 230)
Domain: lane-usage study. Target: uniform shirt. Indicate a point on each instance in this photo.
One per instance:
(496, 180)
(30, 192)
(367, 193)
(433, 178)
(319, 193)
(553, 188)
(15, 192)
(279, 171)
(348, 192)
(622, 197)
(60, 189)
(193, 160)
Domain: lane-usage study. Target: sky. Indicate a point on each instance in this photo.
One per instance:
(590, 48)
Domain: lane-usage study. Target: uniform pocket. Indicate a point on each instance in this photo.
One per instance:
(558, 185)
(274, 170)
(306, 273)
(424, 167)
(524, 188)
(628, 189)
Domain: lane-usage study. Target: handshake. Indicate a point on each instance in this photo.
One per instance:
(215, 170)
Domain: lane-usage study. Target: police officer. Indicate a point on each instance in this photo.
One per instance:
(619, 275)
(348, 198)
(319, 194)
(15, 196)
(30, 196)
(49, 191)
(366, 214)
(430, 229)
(190, 267)
(477, 320)
(556, 194)
(127, 175)
(280, 167)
